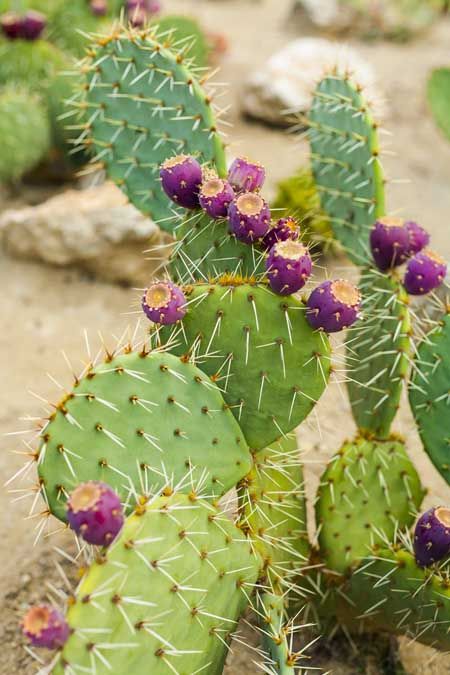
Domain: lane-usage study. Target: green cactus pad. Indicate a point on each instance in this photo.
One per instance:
(205, 249)
(24, 130)
(186, 32)
(165, 598)
(270, 365)
(438, 92)
(144, 106)
(142, 422)
(368, 492)
(33, 64)
(429, 396)
(389, 592)
(273, 509)
(345, 162)
(276, 632)
(378, 353)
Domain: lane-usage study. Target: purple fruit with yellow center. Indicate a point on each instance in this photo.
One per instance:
(424, 272)
(164, 302)
(249, 217)
(333, 306)
(33, 24)
(95, 513)
(246, 176)
(215, 197)
(11, 24)
(390, 242)
(289, 267)
(181, 177)
(284, 229)
(44, 626)
(432, 536)
(418, 237)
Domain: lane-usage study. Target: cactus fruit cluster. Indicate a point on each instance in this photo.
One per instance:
(176, 454)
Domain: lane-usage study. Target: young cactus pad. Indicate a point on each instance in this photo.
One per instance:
(269, 364)
(345, 163)
(276, 634)
(143, 105)
(368, 492)
(429, 396)
(166, 597)
(142, 422)
(378, 353)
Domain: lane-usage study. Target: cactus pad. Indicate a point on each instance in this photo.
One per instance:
(166, 596)
(269, 364)
(345, 162)
(368, 492)
(276, 634)
(378, 353)
(142, 422)
(429, 396)
(143, 106)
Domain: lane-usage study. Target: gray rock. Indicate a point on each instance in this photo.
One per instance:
(93, 229)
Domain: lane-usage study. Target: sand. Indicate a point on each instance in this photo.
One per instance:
(47, 310)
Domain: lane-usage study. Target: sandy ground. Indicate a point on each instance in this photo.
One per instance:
(46, 310)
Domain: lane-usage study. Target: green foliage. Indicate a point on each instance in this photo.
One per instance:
(270, 365)
(169, 591)
(24, 130)
(378, 353)
(142, 422)
(369, 491)
(438, 93)
(345, 163)
(429, 395)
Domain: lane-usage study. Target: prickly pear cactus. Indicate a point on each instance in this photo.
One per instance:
(143, 105)
(345, 162)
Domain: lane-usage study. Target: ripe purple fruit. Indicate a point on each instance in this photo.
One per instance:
(99, 7)
(44, 626)
(246, 176)
(418, 237)
(181, 177)
(33, 23)
(11, 24)
(284, 229)
(432, 536)
(215, 197)
(424, 272)
(389, 241)
(164, 302)
(289, 266)
(249, 217)
(333, 306)
(95, 513)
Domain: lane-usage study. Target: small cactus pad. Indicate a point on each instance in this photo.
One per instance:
(368, 491)
(273, 508)
(378, 353)
(165, 598)
(276, 634)
(143, 106)
(345, 163)
(142, 422)
(206, 249)
(389, 592)
(429, 396)
(269, 364)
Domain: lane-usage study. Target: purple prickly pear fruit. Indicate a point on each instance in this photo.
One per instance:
(289, 266)
(181, 177)
(284, 229)
(246, 176)
(418, 237)
(432, 536)
(333, 306)
(33, 23)
(11, 24)
(99, 7)
(389, 241)
(95, 513)
(44, 626)
(424, 272)
(153, 6)
(215, 197)
(249, 217)
(164, 302)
